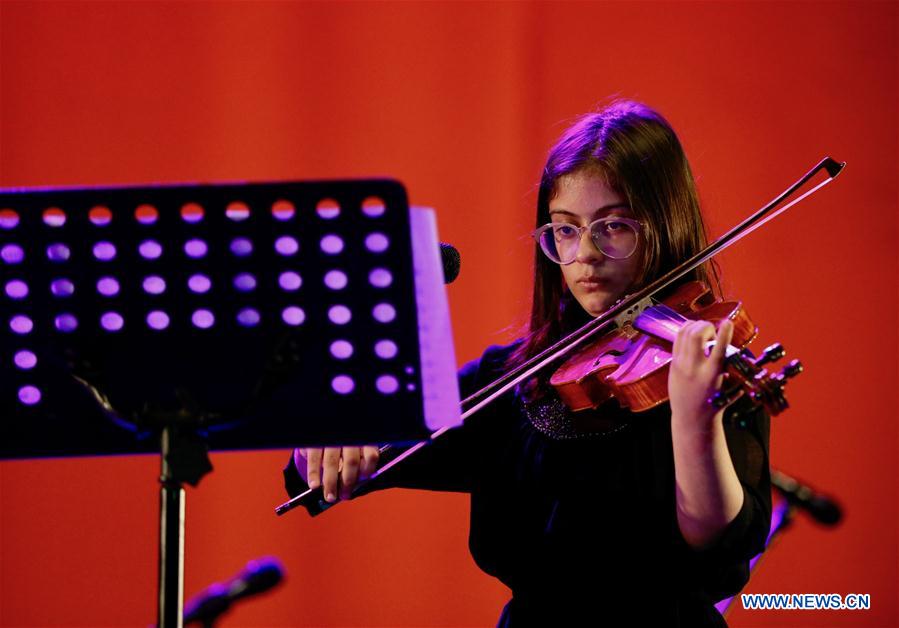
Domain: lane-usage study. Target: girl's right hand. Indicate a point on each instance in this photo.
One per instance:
(336, 469)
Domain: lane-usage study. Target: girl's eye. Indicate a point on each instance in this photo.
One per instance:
(564, 231)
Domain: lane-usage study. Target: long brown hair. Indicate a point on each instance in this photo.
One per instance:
(638, 154)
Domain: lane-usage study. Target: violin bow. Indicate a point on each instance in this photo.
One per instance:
(625, 309)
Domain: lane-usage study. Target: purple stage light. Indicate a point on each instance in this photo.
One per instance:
(108, 286)
(383, 312)
(29, 395)
(332, 244)
(290, 281)
(204, 319)
(343, 384)
(286, 245)
(16, 289)
(373, 207)
(154, 284)
(283, 210)
(146, 214)
(199, 283)
(237, 211)
(376, 242)
(100, 216)
(61, 288)
(25, 359)
(66, 322)
(341, 349)
(336, 279)
(241, 247)
(21, 324)
(54, 217)
(386, 349)
(387, 384)
(150, 249)
(192, 213)
(103, 251)
(12, 254)
(380, 278)
(195, 248)
(409, 370)
(8, 219)
(245, 282)
(157, 319)
(339, 314)
(327, 208)
(293, 315)
(59, 252)
(112, 321)
(248, 317)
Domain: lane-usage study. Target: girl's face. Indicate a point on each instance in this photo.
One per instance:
(596, 281)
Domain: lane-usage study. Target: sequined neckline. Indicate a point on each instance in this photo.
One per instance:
(553, 419)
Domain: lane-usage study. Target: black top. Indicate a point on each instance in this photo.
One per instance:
(584, 530)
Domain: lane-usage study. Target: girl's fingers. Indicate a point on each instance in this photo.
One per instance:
(722, 340)
(349, 472)
(313, 467)
(330, 466)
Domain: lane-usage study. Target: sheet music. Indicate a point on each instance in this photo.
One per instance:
(438, 359)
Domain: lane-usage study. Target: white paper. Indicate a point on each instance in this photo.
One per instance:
(440, 386)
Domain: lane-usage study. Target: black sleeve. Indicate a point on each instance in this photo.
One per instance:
(724, 566)
(446, 464)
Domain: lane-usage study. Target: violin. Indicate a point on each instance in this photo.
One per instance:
(631, 362)
(659, 322)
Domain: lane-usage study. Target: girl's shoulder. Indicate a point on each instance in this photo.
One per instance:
(491, 364)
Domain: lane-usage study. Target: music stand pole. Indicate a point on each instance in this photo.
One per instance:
(184, 458)
(171, 542)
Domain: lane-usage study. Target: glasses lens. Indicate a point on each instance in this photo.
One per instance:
(560, 242)
(614, 238)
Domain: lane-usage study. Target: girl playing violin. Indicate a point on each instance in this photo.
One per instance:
(601, 515)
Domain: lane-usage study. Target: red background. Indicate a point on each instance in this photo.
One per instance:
(461, 102)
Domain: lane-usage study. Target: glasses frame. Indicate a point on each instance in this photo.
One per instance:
(636, 225)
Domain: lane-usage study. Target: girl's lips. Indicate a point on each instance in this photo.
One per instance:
(593, 283)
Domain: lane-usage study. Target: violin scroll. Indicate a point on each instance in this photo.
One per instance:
(747, 375)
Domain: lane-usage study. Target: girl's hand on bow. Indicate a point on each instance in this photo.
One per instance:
(336, 469)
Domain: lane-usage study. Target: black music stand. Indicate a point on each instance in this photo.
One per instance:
(172, 319)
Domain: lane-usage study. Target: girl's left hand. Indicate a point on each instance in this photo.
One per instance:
(695, 377)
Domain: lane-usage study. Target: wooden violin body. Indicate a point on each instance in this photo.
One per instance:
(631, 362)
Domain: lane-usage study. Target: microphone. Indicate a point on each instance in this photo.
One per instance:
(822, 508)
(258, 576)
(452, 262)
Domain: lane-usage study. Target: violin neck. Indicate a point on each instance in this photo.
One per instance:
(662, 322)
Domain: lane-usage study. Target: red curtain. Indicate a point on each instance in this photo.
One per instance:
(461, 101)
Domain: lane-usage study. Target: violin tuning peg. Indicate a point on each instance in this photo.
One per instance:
(792, 369)
(719, 399)
(724, 397)
(771, 354)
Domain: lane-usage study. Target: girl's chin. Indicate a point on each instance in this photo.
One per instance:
(596, 304)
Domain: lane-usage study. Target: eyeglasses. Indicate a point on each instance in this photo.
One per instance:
(614, 236)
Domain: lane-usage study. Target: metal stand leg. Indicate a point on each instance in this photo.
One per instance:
(171, 543)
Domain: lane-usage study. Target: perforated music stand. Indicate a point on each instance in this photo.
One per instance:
(176, 318)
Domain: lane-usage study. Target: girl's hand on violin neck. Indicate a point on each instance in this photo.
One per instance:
(336, 469)
(695, 377)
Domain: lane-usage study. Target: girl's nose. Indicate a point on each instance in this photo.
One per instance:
(587, 253)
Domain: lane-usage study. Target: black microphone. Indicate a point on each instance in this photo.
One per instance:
(452, 262)
(258, 576)
(822, 508)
